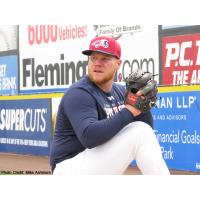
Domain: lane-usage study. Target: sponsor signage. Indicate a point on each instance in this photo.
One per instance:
(139, 50)
(176, 124)
(8, 75)
(25, 126)
(181, 59)
(50, 57)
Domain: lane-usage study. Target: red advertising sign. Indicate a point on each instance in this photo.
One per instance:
(181, 59)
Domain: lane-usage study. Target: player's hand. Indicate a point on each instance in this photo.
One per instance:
(135, 112)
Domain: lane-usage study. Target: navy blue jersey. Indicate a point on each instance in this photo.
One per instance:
(88, 117)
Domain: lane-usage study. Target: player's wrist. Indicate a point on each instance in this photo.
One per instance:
(135, 112)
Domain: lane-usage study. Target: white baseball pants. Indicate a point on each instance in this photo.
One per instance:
(135, 141)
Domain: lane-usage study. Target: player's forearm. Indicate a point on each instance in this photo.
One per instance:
(101, 131)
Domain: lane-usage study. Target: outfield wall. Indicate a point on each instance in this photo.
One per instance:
(39, 62)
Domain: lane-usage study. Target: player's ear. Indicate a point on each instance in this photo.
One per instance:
(119, 62)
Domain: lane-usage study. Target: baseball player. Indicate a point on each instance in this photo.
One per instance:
(98, 131)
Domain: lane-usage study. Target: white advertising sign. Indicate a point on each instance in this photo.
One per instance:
(51, 59)
(139, 50)
(139, 45)
(50, 56)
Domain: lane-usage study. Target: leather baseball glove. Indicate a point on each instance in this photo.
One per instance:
(143, 82)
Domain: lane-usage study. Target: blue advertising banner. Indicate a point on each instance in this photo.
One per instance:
(177, 128)
(25, 126)
(8, 75)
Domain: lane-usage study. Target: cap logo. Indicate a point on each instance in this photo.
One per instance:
(99, 43)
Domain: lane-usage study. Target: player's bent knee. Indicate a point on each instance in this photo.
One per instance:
(141, 126)
(140, 129)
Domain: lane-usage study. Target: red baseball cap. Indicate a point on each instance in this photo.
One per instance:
(103, 44)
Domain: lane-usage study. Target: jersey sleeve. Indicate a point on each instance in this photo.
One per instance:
(81, 109)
